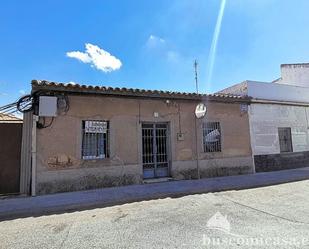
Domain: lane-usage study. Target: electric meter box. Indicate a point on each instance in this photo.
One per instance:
(48, 106)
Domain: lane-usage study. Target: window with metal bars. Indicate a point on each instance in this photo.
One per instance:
(211, 137)
(95, 139)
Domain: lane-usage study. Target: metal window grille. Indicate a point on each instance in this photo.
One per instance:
(285, 139)
(95, 139)
(212, 137)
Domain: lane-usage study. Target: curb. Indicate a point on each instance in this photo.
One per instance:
(99, 198)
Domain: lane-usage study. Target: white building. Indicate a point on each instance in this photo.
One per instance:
(278, 119)
(294, 74)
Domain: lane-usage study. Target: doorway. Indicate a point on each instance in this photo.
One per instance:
(155, 150)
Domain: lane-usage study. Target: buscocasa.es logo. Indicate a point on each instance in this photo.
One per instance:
(221, 223)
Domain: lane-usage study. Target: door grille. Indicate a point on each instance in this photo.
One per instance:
(155, 150)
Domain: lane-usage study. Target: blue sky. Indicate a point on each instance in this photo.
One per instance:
(150, 44)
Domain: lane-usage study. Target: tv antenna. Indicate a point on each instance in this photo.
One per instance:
(200, 112)
(195, 70)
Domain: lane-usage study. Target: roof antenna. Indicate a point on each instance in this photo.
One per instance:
(195, 70)
(195, 126)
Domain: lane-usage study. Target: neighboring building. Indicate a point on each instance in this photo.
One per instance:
(278, 117)
(10, 149)
(91, 136)
(294, 74)
(9, 118)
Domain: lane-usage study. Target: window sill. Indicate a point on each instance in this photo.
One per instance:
(211, 152)
(91, 158)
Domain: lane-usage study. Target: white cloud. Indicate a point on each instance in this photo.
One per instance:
(157, 46)
(83, 57)
(97, 57)
(156, 38)
(155, 41)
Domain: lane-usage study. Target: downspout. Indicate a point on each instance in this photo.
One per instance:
(33, 155)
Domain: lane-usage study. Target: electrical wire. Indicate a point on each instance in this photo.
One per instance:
(43, 125)
(30, 102)
(7, 106)
(25, 103)
(13, 108)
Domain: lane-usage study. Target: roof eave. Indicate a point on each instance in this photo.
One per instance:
(132, 93)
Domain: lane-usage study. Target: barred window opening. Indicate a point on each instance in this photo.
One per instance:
(212, 137)
(95, 139)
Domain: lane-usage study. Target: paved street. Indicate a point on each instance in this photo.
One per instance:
(19, 207)
(276, 214)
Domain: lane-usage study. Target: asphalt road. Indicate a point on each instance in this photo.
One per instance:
(269, 217)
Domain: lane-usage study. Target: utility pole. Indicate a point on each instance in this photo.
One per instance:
(195, 122)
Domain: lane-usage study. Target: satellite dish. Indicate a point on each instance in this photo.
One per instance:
(200, 110)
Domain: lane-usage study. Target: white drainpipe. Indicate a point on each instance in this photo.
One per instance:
(33, 155)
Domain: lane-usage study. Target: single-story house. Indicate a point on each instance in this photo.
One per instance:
(84, 137)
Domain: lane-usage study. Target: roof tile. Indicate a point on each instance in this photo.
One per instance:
(43, 84)
(9, 118)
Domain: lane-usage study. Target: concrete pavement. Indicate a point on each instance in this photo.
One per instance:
(63, 202)
(266, 217)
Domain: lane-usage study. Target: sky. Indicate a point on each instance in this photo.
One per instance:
(148, 44)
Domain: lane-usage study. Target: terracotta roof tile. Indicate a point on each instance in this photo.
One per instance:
(9, 118)
(90, 89)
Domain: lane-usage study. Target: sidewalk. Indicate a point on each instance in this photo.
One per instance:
(66, 202)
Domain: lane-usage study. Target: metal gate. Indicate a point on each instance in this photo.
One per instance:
(155, 150)
(10, 149)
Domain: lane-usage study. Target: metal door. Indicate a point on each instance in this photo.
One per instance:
(155, 150)
(285, 139)
(10, 151)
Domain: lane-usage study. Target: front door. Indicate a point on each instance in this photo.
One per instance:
(155, 150)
